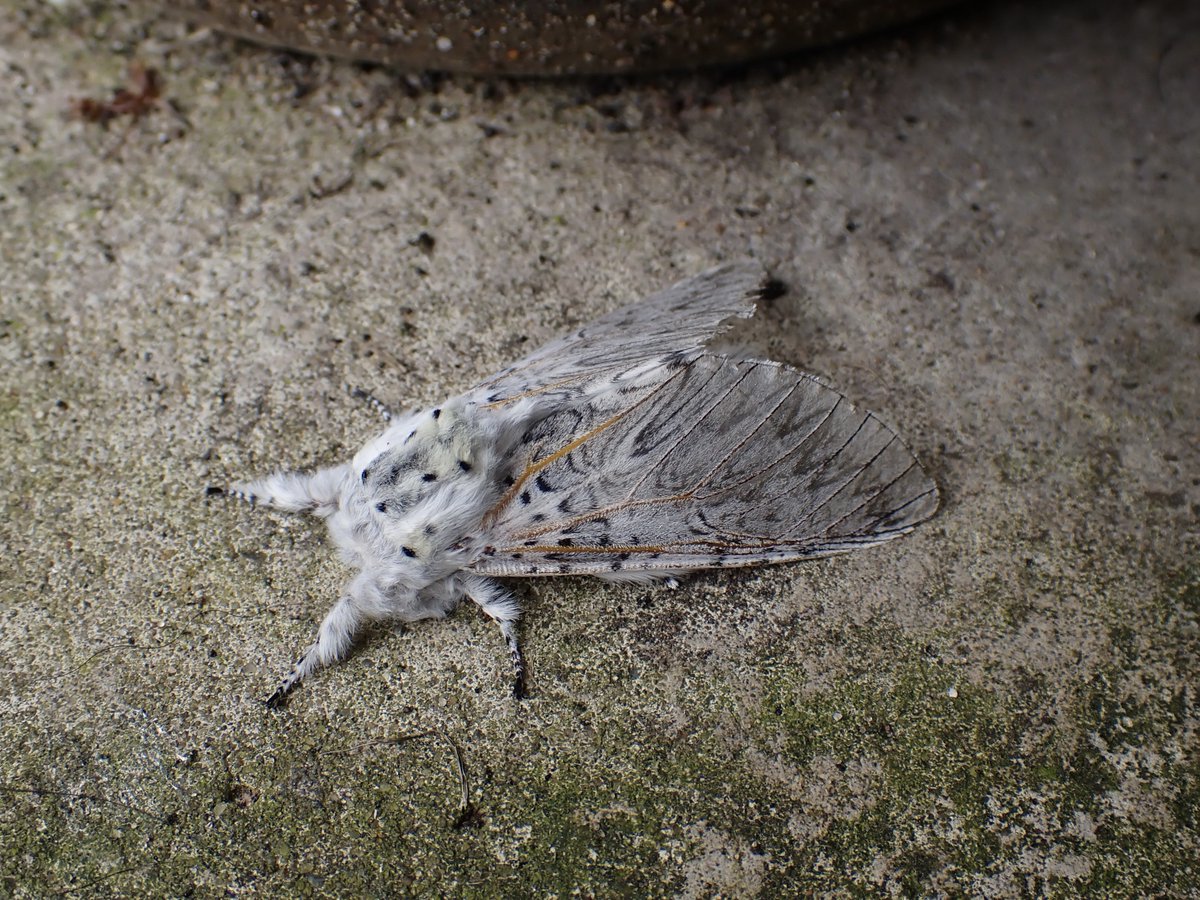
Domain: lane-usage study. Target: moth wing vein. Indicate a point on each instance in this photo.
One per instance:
(795, 448)
(707, 477)
(867, 500)
(679, 440)
(807, 517)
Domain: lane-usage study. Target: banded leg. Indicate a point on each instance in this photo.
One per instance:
(315, 492)
(334, 638)
(502, 607)
(374, 402)
(509, 630)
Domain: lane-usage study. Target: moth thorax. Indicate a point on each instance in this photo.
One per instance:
(428, 449)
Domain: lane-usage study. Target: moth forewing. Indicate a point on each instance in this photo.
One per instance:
(625, 451)
(718, 463)
(678, 320)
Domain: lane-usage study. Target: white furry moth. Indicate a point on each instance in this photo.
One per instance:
(626, 451)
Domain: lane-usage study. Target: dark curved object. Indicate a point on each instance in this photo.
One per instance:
(551, 37)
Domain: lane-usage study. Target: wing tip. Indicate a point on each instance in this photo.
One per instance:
(748, 271)
(747, 280)
(771, 289)
(926, 504)
(916, 511)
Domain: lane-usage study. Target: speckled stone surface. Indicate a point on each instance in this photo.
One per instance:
(989, 223)
(551, 37)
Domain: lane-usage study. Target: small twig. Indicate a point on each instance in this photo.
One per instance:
(468, 813)
(95, 881)
(401, 739)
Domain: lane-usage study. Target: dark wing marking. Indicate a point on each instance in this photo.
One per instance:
(677, 320)
(705, 464)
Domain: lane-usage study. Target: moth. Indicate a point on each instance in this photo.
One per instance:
(630, 450)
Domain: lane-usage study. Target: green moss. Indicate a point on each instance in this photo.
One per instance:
(1182, 590)
(959, 789)
(940, 792)
(893, 775)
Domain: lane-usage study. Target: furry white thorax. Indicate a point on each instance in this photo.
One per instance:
(410, 503)
(406, 511)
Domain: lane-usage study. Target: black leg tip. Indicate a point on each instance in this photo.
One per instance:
(213, 491)
(277, 700)
(772, 290)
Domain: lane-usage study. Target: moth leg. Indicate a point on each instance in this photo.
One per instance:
(294, 491)
(334, 638)
(509, 631)
(374, 402)
(501, 606)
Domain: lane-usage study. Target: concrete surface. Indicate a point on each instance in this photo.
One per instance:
(991, 226)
